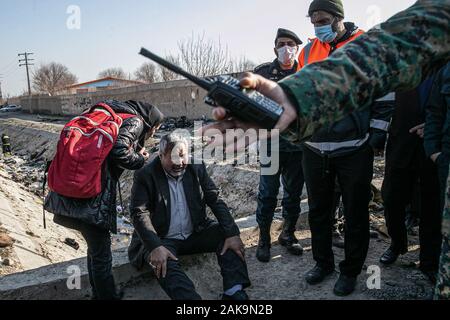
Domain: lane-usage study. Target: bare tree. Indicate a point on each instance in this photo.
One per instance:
(204, 57)
(166, 74)
(50, 78)
(242, 65)
(114, 73)
(147, 73)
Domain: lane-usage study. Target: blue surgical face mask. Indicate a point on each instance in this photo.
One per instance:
(326, 33)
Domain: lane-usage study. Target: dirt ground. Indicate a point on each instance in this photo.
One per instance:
(283, 277)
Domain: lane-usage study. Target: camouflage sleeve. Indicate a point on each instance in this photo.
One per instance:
(392, 57)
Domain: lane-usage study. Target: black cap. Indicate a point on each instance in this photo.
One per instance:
(285, 33)
(334, 7)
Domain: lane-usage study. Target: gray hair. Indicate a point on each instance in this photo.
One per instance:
(168, 142)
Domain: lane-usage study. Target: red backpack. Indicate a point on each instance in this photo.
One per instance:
(85, 142)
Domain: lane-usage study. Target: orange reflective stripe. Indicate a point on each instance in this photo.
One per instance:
(320, 51)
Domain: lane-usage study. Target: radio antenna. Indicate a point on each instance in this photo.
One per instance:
(198, 81)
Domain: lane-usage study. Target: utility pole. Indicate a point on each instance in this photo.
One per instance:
(1, 95)
(26, 62)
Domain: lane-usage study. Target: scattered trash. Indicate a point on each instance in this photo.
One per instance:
(30, 233)
(6, 262)
(72, 243)
(125, 232)
(5, 240)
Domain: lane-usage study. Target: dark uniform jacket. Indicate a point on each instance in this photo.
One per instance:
(274, 72)
(437, 129)
(150, 207)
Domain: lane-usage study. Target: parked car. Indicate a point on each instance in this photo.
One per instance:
(11, 108)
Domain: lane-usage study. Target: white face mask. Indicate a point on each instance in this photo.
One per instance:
(287, 55)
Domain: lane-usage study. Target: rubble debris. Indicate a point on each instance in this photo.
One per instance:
(72, 243)
(6, 262)
(37, 155)
(5, 240)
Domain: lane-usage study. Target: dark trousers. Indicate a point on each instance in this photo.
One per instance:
(99, 261)
(177, 284)
(397, 189)
(291, 174)
(354, 174)
(443, 163)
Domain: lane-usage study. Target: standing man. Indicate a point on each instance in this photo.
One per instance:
(408, 167)
(96, 218)
(290, 157)
(342, 151)
(437, 129)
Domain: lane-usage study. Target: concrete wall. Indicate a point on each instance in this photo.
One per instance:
(174, 98)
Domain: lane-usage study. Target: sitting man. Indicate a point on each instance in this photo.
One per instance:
(168, 211)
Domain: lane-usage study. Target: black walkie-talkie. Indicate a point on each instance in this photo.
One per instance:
(226, 91)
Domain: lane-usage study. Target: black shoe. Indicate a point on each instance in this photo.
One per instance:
(318, 274)
(291, 244)
(390, 256)
(344, 286)
(263, 252)
(238, 296)
(288, 240)
(264, 244)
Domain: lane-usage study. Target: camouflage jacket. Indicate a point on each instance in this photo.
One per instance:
(397, 55)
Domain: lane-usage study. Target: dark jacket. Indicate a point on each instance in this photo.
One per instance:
(403, 146)
(357, 129)
(150, 207)
(101, 210)
(437, 129)
(274, 72)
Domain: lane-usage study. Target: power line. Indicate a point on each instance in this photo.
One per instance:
(9, 65)
(26, 62)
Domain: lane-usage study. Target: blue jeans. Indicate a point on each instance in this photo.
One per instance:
(291, 174)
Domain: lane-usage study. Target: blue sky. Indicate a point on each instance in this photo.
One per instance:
(113, 31)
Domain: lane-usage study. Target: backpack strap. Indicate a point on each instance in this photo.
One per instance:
(108, 109)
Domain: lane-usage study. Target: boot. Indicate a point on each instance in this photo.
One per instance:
(264, 244)
(287, 238)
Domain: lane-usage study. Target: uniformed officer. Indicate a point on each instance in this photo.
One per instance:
(290, 157)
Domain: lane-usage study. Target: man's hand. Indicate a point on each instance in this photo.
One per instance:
(435, 156)
(419, 130)
(268, 88)
(145, 154)
(235, 244)
(158, 261)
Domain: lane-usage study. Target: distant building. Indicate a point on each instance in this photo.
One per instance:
(99, 84)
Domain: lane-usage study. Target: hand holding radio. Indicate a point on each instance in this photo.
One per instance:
(269, 89)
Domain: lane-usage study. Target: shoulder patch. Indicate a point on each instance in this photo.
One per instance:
(262, 66)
